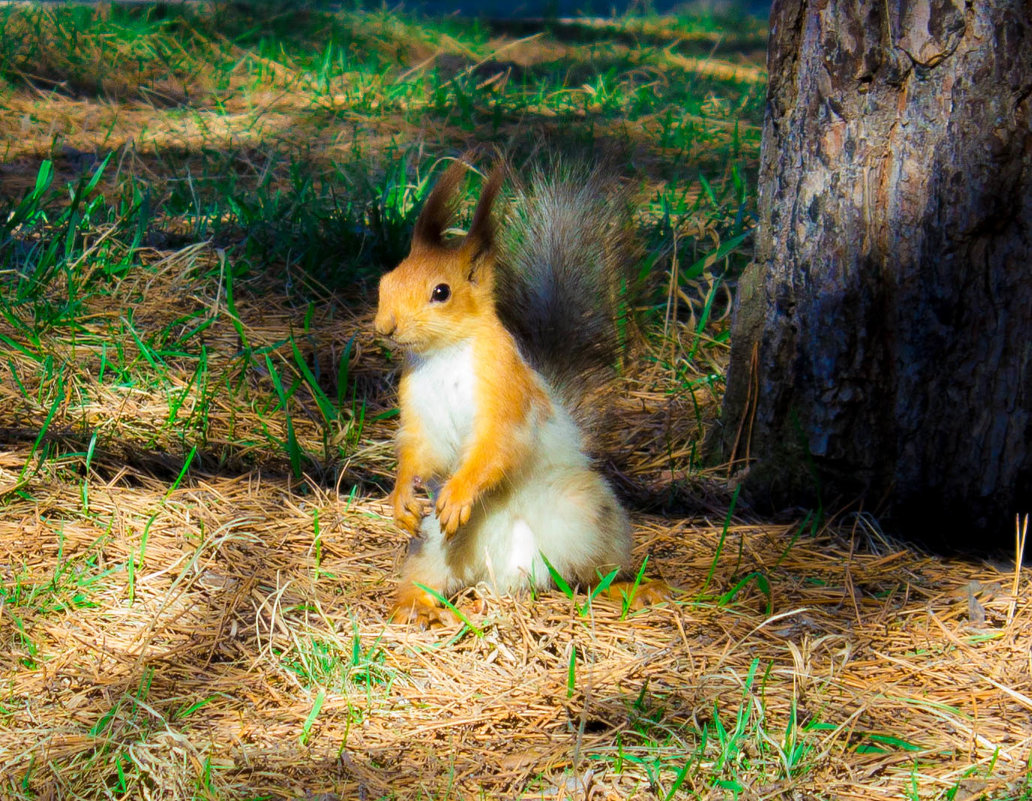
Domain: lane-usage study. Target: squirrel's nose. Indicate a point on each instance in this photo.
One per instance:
(385, 324)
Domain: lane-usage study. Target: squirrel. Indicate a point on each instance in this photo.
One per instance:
(504, 338)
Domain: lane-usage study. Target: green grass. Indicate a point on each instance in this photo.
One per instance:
(194, 203)
(317, 200)
(337, 664)
(738, 747)
(327, 187)
(62, 361)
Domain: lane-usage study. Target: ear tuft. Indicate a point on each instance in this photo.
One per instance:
(480, 237)
(439, 207)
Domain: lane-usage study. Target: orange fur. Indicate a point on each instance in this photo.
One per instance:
(415, 462)
(506, 394)
(506, 398)
(459, 354)
(415, 605)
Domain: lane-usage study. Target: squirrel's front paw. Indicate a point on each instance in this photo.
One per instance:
(408, 509)
(454, 506)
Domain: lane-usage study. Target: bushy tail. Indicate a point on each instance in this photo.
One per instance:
(565, 285)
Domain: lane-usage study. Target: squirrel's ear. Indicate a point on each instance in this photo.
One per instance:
(439, 207)
(480, 238)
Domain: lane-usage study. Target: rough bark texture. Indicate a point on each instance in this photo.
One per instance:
(882, 345)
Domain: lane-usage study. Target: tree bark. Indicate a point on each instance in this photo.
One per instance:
(882, 341)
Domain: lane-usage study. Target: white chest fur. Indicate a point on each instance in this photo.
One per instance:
(443, 384)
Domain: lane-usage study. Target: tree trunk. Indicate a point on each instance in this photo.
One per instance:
(882, 343)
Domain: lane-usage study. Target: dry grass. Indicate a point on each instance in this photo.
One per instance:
(180, 617)
(228, 637)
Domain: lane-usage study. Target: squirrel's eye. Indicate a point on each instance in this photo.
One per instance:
(441, 293)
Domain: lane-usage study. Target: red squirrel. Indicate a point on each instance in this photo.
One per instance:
(502, 343)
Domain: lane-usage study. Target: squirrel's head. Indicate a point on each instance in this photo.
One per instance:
(440, 290)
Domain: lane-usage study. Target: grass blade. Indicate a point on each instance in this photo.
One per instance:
(293, 448)
(306, 729)
(723, 537)
(557, 578)
(329, 414)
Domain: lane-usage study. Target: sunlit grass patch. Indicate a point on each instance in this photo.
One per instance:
(195, 205)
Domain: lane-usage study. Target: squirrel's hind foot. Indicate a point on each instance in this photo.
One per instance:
(646, 593)
(415, 606)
